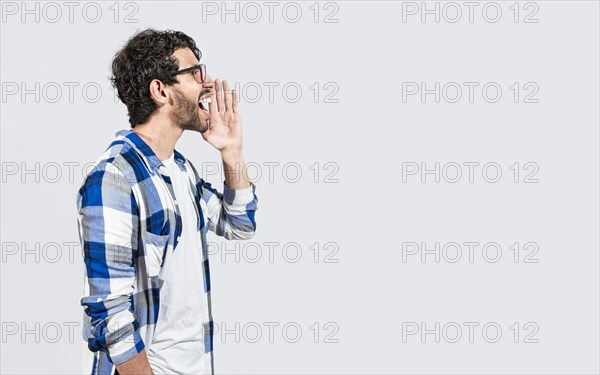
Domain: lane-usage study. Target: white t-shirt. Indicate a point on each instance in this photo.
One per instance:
(178, 345)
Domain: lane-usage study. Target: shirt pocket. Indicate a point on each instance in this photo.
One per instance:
(156, 247)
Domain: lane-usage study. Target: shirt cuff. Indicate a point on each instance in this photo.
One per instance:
(124, 350)
(238, 197)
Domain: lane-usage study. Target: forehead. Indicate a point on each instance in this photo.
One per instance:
(185, 57)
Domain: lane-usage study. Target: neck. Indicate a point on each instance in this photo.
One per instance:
(160, 134)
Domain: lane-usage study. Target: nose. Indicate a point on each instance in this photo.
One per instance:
(208, 82)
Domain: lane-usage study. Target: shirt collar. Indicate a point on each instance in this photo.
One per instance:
(145, 150)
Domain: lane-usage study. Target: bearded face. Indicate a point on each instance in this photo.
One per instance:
(188, 114)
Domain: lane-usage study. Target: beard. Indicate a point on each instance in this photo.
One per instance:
(187, 114)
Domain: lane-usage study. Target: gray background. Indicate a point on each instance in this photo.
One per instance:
(369, 214)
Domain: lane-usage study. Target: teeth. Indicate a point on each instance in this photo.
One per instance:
(205, 100)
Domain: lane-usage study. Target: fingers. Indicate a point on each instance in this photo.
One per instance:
(235, 100)
(212, 106)
(227, 96)
(225, 100)
(219, 93)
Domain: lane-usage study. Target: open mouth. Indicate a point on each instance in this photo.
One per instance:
(203, 103)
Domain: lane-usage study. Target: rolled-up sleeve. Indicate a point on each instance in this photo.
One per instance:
(108, 224)
(230, 214)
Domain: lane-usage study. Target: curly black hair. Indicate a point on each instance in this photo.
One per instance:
(146, 56)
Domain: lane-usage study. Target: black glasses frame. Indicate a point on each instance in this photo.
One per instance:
(200, 67)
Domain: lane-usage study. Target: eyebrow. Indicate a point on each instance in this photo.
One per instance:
(197, 66)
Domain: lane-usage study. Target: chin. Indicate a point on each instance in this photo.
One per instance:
(203, 125)
(196, 126)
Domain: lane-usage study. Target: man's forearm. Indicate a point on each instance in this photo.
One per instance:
(138, 365)
(234, 167)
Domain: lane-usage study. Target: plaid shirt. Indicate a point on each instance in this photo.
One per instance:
(128, 220)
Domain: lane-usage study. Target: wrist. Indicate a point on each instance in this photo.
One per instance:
(231, 155)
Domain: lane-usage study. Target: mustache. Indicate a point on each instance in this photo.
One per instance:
(204, 92)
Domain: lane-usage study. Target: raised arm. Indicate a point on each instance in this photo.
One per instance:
(230, 214)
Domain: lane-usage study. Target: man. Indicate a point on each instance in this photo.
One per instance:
(144, 212)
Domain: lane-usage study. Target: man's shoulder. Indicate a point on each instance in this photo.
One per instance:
(121, 158)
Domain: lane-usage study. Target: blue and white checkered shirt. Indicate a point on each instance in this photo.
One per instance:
(127, 221)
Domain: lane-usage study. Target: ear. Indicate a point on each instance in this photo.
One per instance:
(159, 92)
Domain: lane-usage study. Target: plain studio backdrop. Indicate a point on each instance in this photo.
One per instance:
(427, 176)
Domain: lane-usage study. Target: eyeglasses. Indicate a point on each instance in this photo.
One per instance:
(198, 72)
